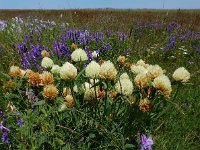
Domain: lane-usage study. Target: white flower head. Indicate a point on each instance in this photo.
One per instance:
(68, 71)
(55, 69)
(79, 55)
(124, 87)
(181, 74)
(92, 70)
(124, 76)
(107, 71)
(138, 69)
(47, 62)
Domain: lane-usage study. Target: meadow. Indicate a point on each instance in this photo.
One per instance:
(100, 79)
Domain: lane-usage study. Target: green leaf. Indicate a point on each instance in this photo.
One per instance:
(129, 146)
(59, 141)
(39, 103)
(91, 135)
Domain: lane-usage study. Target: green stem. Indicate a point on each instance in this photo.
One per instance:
(177, 89)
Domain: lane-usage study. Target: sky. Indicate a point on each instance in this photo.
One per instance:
(72, 4)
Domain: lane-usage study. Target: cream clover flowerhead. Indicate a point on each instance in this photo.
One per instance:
(124, 76)
(47, 62)
(154, 71)
(124, 87)
(68, 71)
(15, 71)
(107, 71)
(141, 80)
(163, 85)
(55, 69)
(92, 70)
(138, 69)
(79, 55)
(140, 62)
(181, 74)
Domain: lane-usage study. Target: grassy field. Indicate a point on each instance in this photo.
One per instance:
(169, 38)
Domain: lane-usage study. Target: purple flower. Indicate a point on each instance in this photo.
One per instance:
(20, 121)
(146, 142)
(4, 136)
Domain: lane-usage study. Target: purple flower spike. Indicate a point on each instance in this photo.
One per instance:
(4, 137)
(146, 142)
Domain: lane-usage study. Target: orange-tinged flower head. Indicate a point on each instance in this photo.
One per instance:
(145, 105)
(50, 92)
(47, 78)
(34, 79)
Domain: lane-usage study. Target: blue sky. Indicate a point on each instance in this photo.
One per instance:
(70, 4)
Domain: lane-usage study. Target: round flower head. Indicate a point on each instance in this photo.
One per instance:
(124, 76)
(163, 85)
(79, 55)
(154, 71)
(44, 53)
(141, 80)
(55, 69)
(47, 62)
(47, 78)
(181, 74)
(121, 60)
(124, 87)
(34, 79)
(107, 71)
(68, 71)
(138, 69)
(15, 71)
(50, 92)
(92, 70)
(145, 105)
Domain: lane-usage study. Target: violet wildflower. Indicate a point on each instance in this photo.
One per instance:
(4, 136)
(146, 142)
(20, 121)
